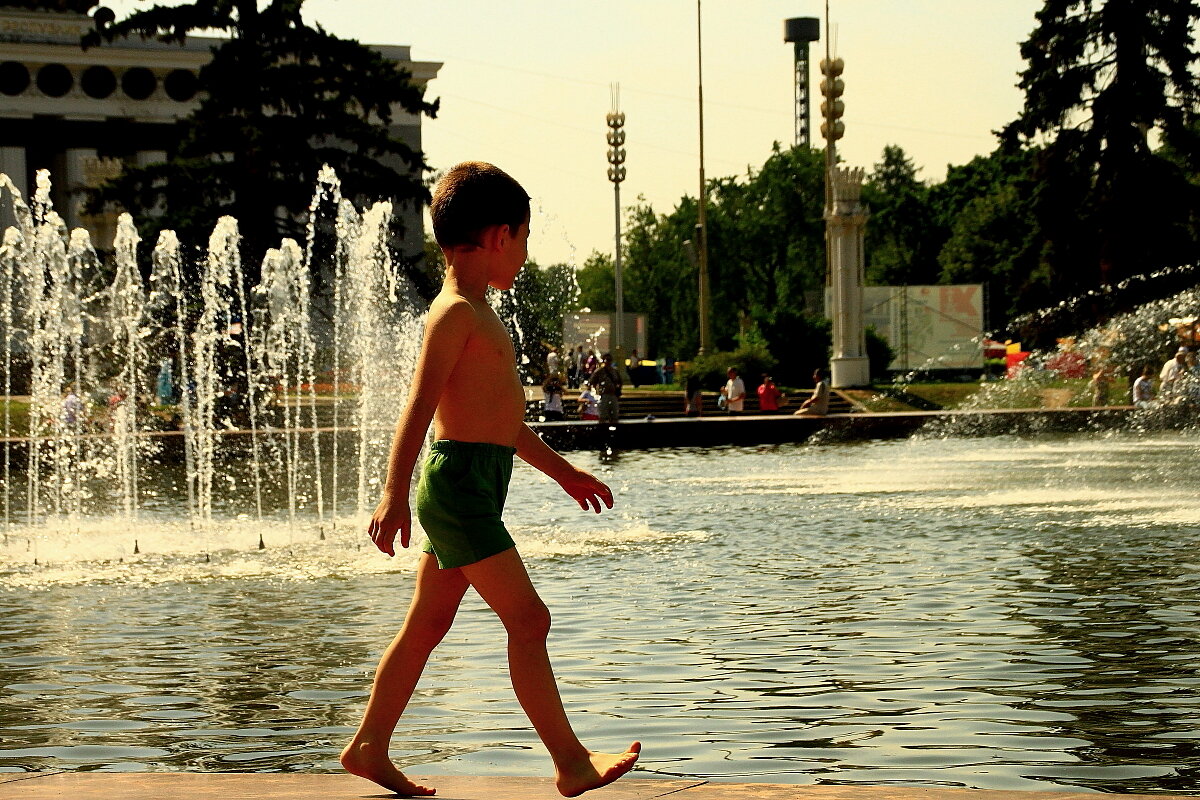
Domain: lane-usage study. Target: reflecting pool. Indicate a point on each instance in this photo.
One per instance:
(996, 613)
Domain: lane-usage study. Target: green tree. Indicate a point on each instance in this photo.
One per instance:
(992, 233)
(903, 236)
(766, 254)
(280, 99)
(660, 280)
(1103, 76)
(766, 244)
(533, 313)
(597, 287)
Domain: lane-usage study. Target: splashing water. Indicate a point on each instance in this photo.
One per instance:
(249, 415)
(1116, 351)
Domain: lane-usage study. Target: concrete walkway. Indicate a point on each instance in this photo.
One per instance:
(296, 786)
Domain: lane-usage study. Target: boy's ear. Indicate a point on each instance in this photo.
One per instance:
(494, 237)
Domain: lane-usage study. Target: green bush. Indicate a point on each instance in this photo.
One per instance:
(879, 354)
(801, 342)
(751, 358)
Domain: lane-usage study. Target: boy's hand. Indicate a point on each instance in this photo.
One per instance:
(587, 489)
(391, 515)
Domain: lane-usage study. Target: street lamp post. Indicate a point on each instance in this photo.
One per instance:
(702, 228)
(616, 174)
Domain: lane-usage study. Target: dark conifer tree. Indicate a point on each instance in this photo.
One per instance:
(1105, 79)
(904, 235)
(279, 99)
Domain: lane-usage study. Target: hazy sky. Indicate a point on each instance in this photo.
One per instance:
(525, 85)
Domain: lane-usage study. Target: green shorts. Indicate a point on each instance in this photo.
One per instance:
(459, 500)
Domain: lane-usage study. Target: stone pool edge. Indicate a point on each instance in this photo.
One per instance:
(637, 434)
(332, 786)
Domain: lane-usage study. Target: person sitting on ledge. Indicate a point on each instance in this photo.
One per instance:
(818, 404)
(1143, 389)
(768, 395)
(552, 404)
(589, 404)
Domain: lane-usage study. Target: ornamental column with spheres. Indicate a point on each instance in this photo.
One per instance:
(845, 224)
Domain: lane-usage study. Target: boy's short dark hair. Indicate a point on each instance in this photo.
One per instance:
(472, 196)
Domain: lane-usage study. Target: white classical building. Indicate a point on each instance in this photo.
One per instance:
(61, 105)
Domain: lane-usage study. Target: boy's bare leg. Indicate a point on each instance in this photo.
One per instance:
(435, 601)
(504, 584)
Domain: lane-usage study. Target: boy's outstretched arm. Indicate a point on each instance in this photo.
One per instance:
(447, 329)
(588, 490)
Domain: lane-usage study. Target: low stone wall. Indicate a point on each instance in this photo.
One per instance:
(764, 429)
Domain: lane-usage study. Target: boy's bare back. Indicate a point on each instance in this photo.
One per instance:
(483, 400)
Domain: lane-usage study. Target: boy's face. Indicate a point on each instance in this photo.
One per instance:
(514, 253)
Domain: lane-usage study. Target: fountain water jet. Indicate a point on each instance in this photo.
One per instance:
(248, 358)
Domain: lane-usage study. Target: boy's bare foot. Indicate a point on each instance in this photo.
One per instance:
(599, 770)
(367, 761)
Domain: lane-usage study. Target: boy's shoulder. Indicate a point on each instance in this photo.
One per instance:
(453, 305)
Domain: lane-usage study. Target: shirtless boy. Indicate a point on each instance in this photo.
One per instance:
(467, 384)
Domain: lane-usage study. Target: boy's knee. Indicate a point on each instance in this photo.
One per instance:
(429, 629)
(531, 624)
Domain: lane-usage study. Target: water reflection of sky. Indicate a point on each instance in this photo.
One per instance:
(993, 613)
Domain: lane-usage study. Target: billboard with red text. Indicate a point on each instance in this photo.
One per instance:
(928, 327)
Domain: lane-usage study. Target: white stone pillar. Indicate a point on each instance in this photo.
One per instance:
(846, 223)
(12, 164)
(147, 157)
(79, 162)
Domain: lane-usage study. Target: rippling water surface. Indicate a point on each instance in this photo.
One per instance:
(992, 613)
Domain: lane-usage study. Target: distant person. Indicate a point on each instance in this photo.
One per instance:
(818, 404)
(590, 363)
(734, 392)
(607, 382)
(552, 362)
(481, 223)
(589, 403)
(1189, 382)
(580, 360)
(116, 409)
(552, 398)
(693, 397)
(1100, 383)
(635, 363)
(164, 385)
(72, 414)
(1143, 388)
(768, 395)
(1171, 373)
(572, 365)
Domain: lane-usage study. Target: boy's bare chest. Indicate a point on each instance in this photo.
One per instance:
(491, 343)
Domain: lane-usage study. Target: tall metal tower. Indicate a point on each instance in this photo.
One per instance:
(800, 31)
